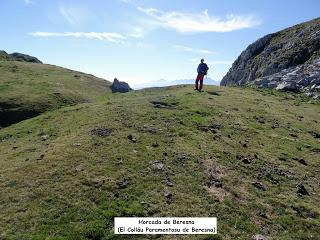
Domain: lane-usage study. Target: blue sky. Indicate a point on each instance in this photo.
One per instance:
(144, 40)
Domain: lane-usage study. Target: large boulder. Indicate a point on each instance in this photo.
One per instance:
(118, 86)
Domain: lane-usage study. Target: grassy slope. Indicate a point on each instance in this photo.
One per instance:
(27, 87)
(59, 180)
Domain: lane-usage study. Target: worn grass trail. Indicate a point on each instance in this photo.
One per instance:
(241, 155)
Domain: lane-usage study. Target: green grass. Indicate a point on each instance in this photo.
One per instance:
(59, 180)
(30, 89)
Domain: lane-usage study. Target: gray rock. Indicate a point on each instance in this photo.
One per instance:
(123, 184)
(24, 58)
(309, 94)
(259, 185)
(301, 190)
(258, 237)
(168, 196)
(156, 165)
(315, 81)
(287, 86)
(305, 82)
(118, 86)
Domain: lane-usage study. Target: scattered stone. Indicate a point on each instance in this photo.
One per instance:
(258, 237)
(132, 138)
(5, 137)
(315, 134)
(259, 185)
(281, 172)
(246, 161)
(44, 137)
(217, 126)
(243, 159)
(102, 131)
(122, 184)
(301, 190)
(169, 197)
(202, 128)
(169, 182)
(121, 87)
(156, 165)
(41, 157)
(293, 135)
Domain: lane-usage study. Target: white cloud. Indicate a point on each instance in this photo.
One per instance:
(189, 49)
(108, 36)
(75, 14)
(199, 22)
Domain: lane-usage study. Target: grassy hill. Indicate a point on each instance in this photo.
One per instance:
(28, 89)
(248, 157)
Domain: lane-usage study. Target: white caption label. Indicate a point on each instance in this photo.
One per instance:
(164, 225)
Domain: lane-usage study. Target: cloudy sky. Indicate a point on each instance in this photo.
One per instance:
(144, 40)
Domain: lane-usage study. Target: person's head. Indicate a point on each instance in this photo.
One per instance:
(202, 60)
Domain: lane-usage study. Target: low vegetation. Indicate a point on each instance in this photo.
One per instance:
(28, 89)
(248, 157)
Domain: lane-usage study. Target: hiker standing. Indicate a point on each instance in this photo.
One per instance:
(202, 71)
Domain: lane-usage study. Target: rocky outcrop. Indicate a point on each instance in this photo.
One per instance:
(19, 57)
(24, 58)
(302, 78)
(118, 86)
(283, 60)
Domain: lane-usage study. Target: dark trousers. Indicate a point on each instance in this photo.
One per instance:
(199, 79)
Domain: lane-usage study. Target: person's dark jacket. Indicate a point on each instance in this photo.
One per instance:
(203, 69)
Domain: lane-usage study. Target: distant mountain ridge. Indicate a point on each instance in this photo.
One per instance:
(281, 60)
(163, 83)
(18, 57)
